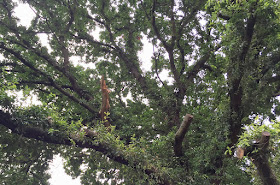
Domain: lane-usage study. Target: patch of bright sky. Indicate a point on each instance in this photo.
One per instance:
(58, 175)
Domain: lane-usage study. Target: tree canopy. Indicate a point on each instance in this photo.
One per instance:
(201, 110)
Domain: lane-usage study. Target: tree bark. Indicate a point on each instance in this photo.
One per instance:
(180, 134)
(260, 159)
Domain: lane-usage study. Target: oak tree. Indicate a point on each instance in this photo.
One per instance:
(190, 82)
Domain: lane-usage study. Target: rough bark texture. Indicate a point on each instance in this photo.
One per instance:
(264, 170)
(236, 74)
(260, 159)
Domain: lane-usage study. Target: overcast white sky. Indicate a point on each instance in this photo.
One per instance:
(59, 177)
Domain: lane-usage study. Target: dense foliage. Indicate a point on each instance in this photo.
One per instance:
(218, 61)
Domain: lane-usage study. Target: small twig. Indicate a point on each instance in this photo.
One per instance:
(156, 66)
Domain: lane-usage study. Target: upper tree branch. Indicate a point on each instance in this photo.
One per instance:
(155, 28)
(156, 68)
(52, 82)
(64, 70)
(249, 30)
(129, 61)
(90, 40)
(173, 24)
(185, 20)
(43, 83)
(169, 47)
(60, 36)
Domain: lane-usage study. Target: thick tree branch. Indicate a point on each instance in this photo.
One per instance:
(180, 134)
(248, 36)
(260, 159)
(236, 89)
(106, 148)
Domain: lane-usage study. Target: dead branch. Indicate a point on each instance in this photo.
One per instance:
(105, 103)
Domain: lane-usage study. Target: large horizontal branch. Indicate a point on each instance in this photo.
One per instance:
(110, 151)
